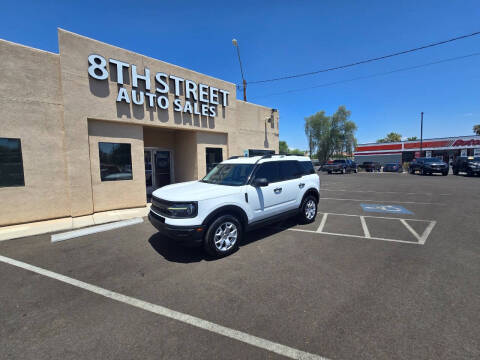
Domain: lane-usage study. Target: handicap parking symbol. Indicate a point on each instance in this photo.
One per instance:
(391, 209)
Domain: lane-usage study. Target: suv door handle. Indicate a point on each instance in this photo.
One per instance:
(301, 185)
(277, 190)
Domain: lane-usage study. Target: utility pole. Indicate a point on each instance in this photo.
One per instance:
(421, 133)
(235, 43)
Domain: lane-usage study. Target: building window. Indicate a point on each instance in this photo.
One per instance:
(115, 161)
(11, 163)
(214, 156)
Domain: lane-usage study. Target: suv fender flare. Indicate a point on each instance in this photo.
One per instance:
(227, 209)
(313, 192)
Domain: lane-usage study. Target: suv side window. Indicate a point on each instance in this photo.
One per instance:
(290, 170)
(270, 171)
(307, 167)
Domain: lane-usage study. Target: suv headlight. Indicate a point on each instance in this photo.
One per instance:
(183, 210)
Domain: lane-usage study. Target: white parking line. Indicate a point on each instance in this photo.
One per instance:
(383, 201)
(427, 232)
(414, 233)
(95, 229)
(355, 236)
(364, 227)
(322, 223)
(421, 239)
(377, 217)
(172, 314)
(382, 192)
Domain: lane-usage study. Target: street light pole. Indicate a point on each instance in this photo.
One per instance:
(235, 43)
(421, 133)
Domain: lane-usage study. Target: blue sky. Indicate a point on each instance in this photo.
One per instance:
(286, 37)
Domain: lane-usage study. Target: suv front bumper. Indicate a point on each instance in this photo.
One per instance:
(186, 235)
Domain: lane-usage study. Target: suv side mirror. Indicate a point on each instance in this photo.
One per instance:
(260, 182)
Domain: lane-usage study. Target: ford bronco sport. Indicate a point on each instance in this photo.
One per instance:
(236, 196)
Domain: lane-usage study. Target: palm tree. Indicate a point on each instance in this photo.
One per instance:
(476, 129)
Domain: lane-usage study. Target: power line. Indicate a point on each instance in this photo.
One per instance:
(366, 61)
(370, 76)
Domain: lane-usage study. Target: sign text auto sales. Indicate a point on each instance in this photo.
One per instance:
(156, 92)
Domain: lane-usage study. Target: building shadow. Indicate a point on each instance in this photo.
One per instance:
(172, 251)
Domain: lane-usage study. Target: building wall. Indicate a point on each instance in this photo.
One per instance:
(60, 113)
(31, 109)
(382, 159)
(108, 195)
(185, 165)
(85, 97)
(253, 129)
(160, 138)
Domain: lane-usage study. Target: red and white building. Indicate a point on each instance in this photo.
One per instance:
(405, 151)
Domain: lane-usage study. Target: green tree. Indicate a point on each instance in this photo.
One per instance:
(391, 137)
(476, 129)
(296, 152)
(412, 138)
(330, 135)
(283, 147)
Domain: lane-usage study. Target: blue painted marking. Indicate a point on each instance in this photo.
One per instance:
(391, 209)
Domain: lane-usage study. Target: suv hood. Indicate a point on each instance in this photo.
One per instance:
(194, 191)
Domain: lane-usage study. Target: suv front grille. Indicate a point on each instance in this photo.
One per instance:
(160, 206)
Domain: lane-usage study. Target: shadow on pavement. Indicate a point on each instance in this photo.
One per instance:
(175, 252)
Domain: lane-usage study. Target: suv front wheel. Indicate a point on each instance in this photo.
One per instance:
(308, 210)
(223, 236)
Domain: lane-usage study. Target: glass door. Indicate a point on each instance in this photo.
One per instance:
(157, 169)
(148, 172)
(162, 168)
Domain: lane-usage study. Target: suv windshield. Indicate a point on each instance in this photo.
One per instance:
(229, 174)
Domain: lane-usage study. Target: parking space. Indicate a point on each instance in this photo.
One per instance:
(370, 227)
(355, 284)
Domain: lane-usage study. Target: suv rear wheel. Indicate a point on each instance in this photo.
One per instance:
(308, 210)
(223, 236)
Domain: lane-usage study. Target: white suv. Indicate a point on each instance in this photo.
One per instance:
(238, 195)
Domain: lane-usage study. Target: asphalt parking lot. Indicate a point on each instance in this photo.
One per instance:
(389, 270)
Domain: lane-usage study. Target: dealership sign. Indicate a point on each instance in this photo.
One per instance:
(200, 99)
(462, 143)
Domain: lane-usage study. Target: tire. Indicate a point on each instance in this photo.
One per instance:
(308, 210)
(355, 171)
(422, 172)
(445, 173)
(469, 172)
(329, 172)
(217, 242)
(343, 171)
(455, 172)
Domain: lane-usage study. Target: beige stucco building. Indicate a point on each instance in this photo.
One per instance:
(96, 128)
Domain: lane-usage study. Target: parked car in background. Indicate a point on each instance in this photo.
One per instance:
(316, 165)
(428, 166)
(392, 167)
(342, 166)
(466, 164)
(371, 166)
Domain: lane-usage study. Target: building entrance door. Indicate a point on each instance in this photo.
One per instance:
(158, 169)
